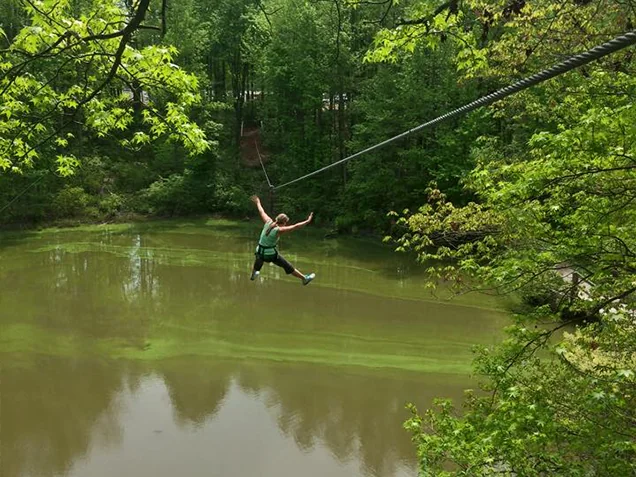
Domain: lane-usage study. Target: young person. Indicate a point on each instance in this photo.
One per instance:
(266, 250)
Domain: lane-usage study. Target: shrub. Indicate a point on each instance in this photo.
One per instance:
(169, 196)
(111, 204)
(70, 202)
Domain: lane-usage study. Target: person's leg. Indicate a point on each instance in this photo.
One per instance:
(256, 269)
(288, 267)
(290, 270)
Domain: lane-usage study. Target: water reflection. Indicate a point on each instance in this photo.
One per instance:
(357, 417)
(153, 354)
(82, 417)
(196, 390)
(53, 410)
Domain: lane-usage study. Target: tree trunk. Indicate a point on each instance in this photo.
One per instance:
(341, 134)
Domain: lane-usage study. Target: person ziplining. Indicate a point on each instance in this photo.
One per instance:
(266, 250)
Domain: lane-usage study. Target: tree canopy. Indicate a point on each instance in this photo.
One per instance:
(75, 65)
(553, 195)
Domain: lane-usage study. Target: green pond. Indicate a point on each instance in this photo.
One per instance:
(145, 350)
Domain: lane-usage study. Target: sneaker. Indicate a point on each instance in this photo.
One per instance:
(308, 278)
(255, 275)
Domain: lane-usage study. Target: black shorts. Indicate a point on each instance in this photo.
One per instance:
(277, 259)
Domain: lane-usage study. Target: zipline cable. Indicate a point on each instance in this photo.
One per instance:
(575, 61)
(269, 183)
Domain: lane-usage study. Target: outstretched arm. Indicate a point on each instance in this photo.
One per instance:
(266, 218)
(289, 228)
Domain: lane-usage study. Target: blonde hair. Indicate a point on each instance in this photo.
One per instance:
(281, 219)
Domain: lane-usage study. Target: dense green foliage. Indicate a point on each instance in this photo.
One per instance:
(570, 413)
(149, 118)
(554, 192)
(158, 107)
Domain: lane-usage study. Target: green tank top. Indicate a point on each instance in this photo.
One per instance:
(267, 243)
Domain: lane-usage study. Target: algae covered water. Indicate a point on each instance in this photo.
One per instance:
(146, 350)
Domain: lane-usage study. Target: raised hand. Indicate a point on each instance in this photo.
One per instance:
(255, 199)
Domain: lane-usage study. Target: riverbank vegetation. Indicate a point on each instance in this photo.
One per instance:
(111, 108)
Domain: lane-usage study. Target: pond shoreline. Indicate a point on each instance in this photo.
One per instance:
(134, 219)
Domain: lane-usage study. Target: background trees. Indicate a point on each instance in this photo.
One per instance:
(80, 82)
(554, 192)
(294, 71)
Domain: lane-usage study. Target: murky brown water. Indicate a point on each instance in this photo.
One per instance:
(147, 351)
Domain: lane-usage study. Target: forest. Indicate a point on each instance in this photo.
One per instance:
(115, 110)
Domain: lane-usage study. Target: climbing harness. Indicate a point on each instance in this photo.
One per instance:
(267, 241)
(260, 251)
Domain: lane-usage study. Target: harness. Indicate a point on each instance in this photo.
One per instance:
(260, 251)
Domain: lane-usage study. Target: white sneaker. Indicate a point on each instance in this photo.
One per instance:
(255, 275)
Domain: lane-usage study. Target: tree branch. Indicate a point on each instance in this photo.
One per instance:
(126, 35)
(150, 27)
(451, 5)
(129, 29)
(618, 297)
